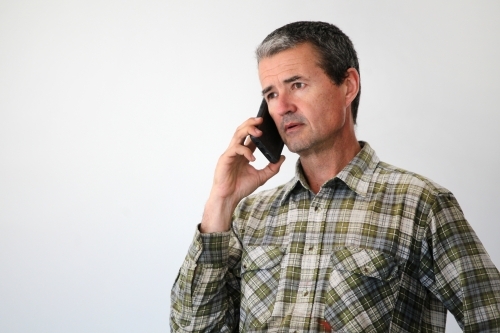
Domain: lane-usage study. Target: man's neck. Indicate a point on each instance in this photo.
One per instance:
(321, 166)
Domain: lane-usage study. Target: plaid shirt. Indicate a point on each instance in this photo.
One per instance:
(377, 249)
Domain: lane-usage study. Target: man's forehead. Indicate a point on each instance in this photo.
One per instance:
(290, 62)
(278, 68)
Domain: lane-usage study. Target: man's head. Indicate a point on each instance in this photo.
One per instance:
(335, 50)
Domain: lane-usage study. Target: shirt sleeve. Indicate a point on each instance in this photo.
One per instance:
(206, 294)
(456, 268)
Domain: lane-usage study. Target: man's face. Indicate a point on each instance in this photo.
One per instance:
(309, 110)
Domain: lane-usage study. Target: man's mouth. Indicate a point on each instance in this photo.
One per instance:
(291, 126)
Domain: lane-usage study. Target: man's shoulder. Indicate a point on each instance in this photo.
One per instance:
(264, 200)
(404, 180)
(268, 195)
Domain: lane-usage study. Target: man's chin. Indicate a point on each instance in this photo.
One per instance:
(296, 147)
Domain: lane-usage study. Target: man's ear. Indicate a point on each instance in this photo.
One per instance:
(351, 83)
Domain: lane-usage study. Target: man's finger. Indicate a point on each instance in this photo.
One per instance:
(271, 170)
(249, 144)
(244, 151)
(249, 127)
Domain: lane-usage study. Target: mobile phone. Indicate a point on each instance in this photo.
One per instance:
(269, 143)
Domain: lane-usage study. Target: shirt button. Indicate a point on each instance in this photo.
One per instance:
(306, 293)
(311, 248)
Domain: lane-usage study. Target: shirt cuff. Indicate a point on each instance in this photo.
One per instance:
(212, 248)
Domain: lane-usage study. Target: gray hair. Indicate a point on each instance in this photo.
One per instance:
(336, 51)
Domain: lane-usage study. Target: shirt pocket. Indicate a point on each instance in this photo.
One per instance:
(260, 274)
(361, 290)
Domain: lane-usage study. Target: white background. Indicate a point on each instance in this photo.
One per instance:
(113, 114)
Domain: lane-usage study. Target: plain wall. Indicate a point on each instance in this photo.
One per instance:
(114, 113)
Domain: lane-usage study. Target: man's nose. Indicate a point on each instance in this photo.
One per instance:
(282, 104)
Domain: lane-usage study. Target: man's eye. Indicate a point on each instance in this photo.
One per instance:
(298, 85)
(271, 96)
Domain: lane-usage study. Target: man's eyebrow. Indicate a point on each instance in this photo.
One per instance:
(266, 90)
(289, 80)
(293, 78)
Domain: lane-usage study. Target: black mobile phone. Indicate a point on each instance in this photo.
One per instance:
(269, 143)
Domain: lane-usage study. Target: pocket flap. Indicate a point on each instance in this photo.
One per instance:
(260, 257)
(370, 263)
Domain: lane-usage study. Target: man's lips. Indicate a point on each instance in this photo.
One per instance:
(291, 126)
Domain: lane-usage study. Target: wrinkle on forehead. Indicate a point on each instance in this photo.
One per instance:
(291, 62)
(278, 69)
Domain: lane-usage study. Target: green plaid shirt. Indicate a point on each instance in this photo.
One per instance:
(377, 249)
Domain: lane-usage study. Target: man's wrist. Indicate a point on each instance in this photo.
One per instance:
(217, 216)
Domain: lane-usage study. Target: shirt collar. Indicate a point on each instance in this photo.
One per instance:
(356, 175)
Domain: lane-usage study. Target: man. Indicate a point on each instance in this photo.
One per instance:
(350, 244)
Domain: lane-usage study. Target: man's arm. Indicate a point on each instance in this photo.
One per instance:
(206, 294)
(456, 268)
(235, 178)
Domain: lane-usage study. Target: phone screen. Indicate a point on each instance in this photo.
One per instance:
(269, 143)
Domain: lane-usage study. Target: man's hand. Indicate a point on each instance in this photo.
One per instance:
(235, 178)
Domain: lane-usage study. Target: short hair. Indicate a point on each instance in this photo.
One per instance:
(336, 51)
